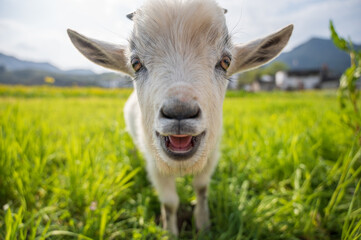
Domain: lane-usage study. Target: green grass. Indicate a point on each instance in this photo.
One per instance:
(68, 170)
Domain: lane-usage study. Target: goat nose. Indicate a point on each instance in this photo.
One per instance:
(176, 109)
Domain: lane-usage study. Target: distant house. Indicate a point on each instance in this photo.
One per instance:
(298, 79)
(267, 82)
(321, 78)
(264, 83)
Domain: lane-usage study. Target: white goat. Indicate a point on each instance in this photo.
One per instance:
(180, 55)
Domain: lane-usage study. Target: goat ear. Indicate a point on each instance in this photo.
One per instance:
(256, 53)
(105, 54)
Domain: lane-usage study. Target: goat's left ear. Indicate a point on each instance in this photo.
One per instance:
(256, 53)
(105, 54)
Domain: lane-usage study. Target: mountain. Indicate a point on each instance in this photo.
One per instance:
(14, 64)
(38, 77)
(316, 53)
(16, 71)
(80, 72)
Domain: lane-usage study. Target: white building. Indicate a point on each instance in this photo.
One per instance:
(293, 80)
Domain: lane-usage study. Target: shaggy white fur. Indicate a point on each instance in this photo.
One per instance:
(182, 54)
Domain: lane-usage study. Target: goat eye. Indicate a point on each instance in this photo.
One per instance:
(136, 64)
(225, 62)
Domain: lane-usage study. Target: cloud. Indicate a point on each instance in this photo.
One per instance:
(41, 26)
(311, 18)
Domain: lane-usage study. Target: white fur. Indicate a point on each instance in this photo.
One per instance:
(180, 44)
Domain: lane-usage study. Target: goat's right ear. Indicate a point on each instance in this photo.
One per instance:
(105, 54)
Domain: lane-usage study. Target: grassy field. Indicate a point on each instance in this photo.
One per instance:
(68, 170)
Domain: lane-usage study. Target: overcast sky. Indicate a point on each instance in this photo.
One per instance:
(36, 29)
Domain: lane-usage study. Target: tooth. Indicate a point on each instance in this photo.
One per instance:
(166, 139)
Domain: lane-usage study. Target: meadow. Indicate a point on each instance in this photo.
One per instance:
(290, 169)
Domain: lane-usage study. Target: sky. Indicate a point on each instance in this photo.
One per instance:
(35, 30)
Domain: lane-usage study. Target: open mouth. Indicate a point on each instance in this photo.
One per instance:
(180, 147)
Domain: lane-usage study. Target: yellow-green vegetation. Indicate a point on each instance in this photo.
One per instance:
(68, 170)
(348, 93)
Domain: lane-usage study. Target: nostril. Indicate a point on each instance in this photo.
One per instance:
(163, 114)
(196, 113)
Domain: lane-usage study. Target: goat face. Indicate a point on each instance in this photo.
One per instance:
(180, 79)
(180, 56)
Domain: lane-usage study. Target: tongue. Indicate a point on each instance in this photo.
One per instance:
(180, 142)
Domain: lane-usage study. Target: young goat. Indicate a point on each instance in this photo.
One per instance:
(180, 55)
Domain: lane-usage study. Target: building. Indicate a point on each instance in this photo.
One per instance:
(298, 79)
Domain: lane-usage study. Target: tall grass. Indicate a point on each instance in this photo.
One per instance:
(68, 170)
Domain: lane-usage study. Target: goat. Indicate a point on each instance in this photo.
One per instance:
(180, 55)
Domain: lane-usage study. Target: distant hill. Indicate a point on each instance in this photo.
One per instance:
(14, 64)
(79, 72)
(16, 71)
(37, 77)
(314, 54)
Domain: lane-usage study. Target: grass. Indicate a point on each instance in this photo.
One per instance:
(68, 170)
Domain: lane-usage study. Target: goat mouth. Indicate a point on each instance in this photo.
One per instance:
(180, 147)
